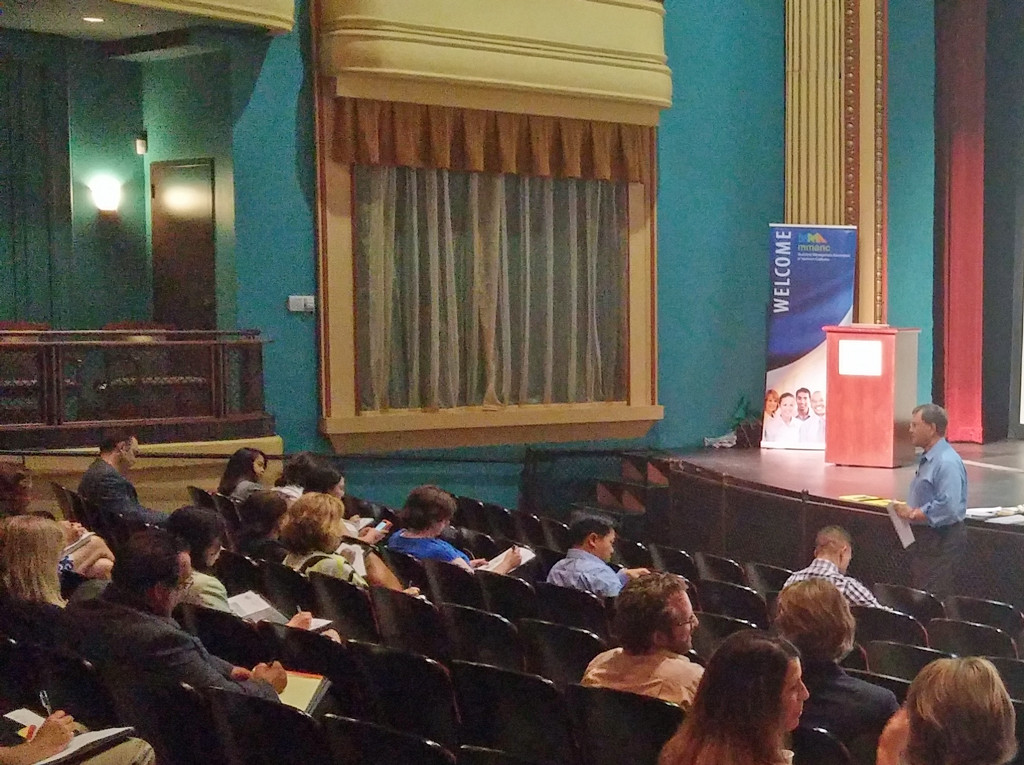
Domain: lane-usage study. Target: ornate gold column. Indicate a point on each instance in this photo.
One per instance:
(836, 159)
(814, 107)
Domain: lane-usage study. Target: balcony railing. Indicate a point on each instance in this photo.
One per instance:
(63, 388)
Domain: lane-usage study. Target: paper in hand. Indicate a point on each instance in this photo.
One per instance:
(904, 530)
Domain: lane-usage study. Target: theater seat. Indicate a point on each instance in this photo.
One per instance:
(733, 600)
(255, 731)
(674, 561)
(609, 722)
(572, 607)
(719, 568)
(558, 652)
(238, 573)
(816, 746)
(346, 605)
(507, 595)
(409, 692)
(712, 630)
(882, 624)
(407, 623)
(357, 742)
(994, 613)
(480, 636)
(899, 659)
(897, 685)
(287, 589)
(514, 712)
(922, 605)
(970, 639)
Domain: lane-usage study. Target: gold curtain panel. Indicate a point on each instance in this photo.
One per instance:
(370, 132)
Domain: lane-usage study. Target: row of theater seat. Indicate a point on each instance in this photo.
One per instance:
(484, 713)
(706, 571)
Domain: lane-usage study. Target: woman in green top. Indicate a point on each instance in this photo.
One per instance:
(312, 529)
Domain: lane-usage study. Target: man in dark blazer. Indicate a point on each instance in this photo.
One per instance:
(104, 484)
(139, 649)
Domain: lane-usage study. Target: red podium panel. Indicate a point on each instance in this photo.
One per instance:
(872, 388)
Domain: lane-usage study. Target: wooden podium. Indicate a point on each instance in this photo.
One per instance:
(872, 388)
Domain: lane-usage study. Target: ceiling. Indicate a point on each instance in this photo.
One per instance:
(120, 21)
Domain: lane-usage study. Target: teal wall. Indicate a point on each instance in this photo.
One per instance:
(108, 275)
(912, 175)
(187, 115)
(274, 168)
(721, 183)
(35, 217)
(93, 268)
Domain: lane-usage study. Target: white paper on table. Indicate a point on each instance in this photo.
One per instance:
(904, 530)
(524, 552)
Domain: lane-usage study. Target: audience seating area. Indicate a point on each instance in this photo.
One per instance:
(485, 668)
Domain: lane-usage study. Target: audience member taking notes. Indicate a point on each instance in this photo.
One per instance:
(427, 512)
(59, 739)
(128, 633)
(585, 566)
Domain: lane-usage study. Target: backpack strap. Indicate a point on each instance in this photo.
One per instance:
(311, 561)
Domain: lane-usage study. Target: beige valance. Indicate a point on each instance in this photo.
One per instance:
(370, 132)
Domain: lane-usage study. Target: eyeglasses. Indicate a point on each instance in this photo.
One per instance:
(690, 621)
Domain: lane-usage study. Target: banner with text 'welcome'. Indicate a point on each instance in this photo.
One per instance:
(812, 271)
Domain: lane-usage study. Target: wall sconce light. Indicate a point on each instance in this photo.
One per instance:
(106, 193)
(141, 143)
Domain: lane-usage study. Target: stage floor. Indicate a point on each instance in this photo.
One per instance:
(995, 472)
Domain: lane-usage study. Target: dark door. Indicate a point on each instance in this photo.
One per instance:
(184, 289)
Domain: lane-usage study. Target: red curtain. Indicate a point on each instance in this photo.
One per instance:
(959, 209)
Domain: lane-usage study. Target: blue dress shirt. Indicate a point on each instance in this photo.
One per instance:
(939, 487)
(585, 571)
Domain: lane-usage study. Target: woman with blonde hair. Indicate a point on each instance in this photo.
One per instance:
(750, 697)
(86, 554)
(312, 529)
(30, 550)
(31, 606)
(815, 616)
(957, 713)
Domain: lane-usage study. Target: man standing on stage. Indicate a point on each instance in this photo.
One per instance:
(937, 504)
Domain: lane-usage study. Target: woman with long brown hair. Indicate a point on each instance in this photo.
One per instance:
(750, 697)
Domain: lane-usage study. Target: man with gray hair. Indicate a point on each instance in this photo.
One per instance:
(936, 503)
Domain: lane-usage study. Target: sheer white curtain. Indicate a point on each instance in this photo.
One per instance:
(481, 289)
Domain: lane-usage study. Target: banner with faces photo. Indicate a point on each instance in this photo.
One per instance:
(811, 271)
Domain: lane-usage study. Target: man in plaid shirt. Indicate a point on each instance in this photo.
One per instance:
(833, 550)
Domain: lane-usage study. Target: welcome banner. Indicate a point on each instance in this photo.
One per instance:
(812, 271)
